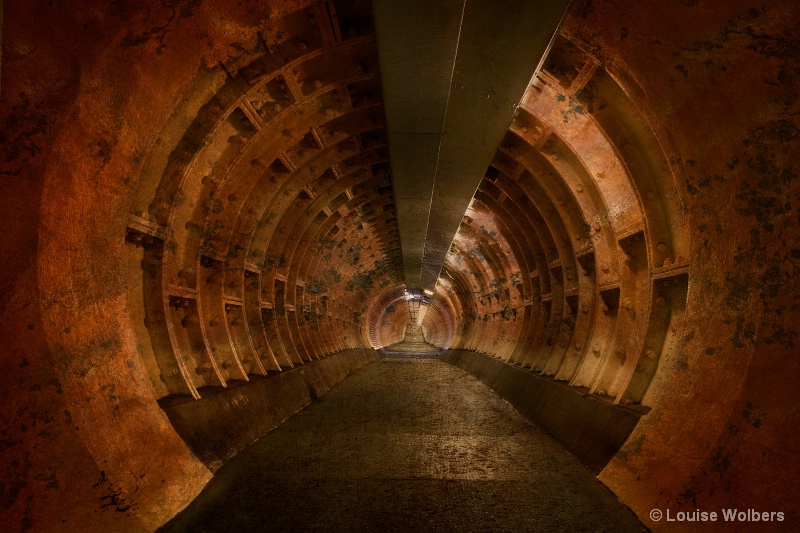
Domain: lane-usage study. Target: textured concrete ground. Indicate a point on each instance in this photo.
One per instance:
(413, 343)
(406, 445)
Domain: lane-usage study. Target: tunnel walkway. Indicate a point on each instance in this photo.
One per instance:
(406, 444)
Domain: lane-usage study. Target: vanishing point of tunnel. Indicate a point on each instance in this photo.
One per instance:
(399, 265)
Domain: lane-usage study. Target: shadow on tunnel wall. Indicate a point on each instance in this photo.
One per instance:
(197, 199)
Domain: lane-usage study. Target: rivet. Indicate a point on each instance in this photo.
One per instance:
(596, 348)
(650, 353)
(650, 195)
(579, 188)
(662, 247)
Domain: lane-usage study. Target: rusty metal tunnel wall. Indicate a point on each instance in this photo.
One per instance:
(201, 238)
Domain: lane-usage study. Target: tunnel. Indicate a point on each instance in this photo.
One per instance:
(216, 212)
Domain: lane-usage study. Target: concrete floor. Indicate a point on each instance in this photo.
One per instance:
(406, 445)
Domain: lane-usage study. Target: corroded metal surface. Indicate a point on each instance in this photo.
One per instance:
(199, 195)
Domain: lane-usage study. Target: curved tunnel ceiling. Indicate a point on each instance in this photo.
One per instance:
(265, 230)
(231, 206)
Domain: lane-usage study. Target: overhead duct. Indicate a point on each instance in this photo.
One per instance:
(451, 84)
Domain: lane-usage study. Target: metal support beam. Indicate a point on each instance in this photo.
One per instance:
(453, 73)
(417, 44)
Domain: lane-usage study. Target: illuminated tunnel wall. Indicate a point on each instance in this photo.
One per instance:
(566, 261)
(198, 198)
